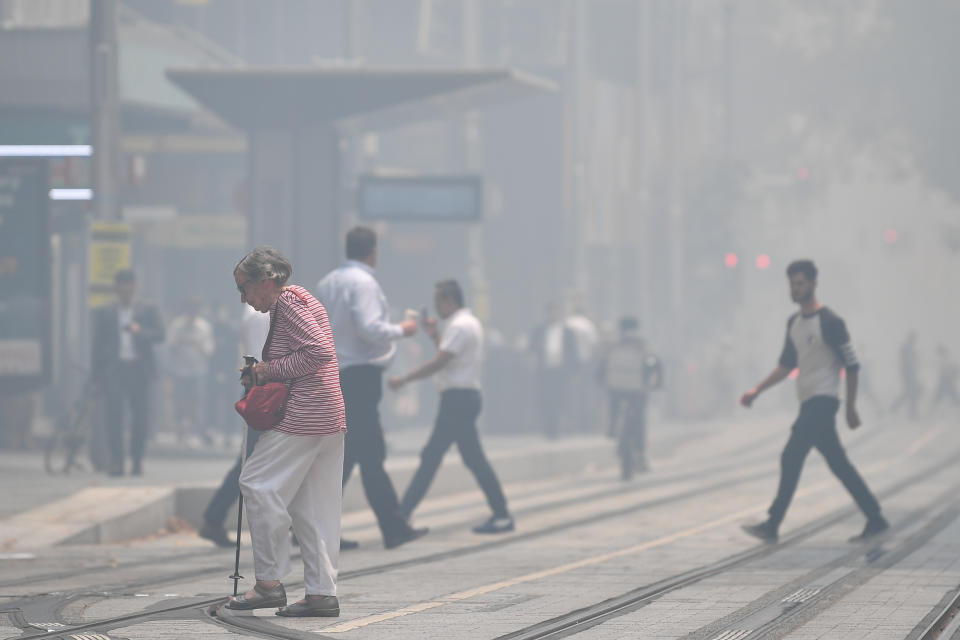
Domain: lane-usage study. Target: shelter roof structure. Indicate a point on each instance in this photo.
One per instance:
(258, 98)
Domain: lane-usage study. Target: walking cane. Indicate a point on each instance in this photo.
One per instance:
(236, 577)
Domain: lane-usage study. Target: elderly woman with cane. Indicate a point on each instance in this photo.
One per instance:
(293, 476)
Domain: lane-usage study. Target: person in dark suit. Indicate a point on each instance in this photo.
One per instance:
(123, 365)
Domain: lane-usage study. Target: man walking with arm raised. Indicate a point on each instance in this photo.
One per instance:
(818, 345)
(458, 366)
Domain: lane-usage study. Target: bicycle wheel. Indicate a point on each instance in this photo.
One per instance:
(60, 455)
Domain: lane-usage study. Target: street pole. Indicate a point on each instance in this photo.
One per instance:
(643, 244)
(675, 214)
(470, 30)
(105, 108)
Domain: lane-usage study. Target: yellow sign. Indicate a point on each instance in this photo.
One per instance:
(109, 253)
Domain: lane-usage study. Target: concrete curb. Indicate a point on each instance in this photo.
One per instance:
(99, 515)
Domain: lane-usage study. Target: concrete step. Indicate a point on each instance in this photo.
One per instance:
(115, 514)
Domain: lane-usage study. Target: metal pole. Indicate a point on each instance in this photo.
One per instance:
(105, 110)
(643, 243)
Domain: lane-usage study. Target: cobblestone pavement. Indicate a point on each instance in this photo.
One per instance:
(661, 556)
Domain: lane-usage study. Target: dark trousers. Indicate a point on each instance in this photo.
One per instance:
(229, 491)
(456, 423)
(816, 427)
(552, 400)
(628, 410)
(362, 388)
(130, 387)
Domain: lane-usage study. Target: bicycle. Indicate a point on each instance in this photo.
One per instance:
(74, 429)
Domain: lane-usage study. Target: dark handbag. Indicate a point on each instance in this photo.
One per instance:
(263, 407)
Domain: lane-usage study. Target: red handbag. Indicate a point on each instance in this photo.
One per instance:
(263, 406)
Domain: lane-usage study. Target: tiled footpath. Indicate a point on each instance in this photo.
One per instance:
(580, 539)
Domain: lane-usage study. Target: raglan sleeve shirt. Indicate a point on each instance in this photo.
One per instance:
(788, 357)
(837, 337)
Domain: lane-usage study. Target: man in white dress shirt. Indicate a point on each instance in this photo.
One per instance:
(458, 365)
(364, 339)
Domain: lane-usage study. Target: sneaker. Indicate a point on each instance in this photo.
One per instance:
(874, 527)
(495, 525)
(763, 531)
(409, 535)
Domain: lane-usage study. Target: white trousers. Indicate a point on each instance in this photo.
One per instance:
(295, 480)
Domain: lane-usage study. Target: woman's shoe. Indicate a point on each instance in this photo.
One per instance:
(326, 607)
(265, 599)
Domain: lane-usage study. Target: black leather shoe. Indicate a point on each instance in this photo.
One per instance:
(326, 607)
(265, 599)
(409, 535)
(216, 535)
(763, 531)
(875, 526)
(348, 545)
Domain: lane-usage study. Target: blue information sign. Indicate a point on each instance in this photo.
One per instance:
(422, 199)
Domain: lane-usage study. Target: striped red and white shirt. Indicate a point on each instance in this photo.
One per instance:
(302, 355)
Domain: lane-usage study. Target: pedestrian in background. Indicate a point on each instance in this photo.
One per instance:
(947, 375)
(554, 345)
(365, 340)
(458, 366)
(189, 347)
(584, 365)
(293, 475)
(628, 372)
(254, 327)
(123, 365)
(221, 371)
(911, 390)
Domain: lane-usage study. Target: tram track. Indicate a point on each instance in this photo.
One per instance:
(59, 601)
(266, 629)
(618, 490)
(592, 615)
(945, 623)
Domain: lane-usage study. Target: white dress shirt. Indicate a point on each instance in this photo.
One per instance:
(256, 327)
(463, 337)
(359, 317)
(128, 353)
(190, 346)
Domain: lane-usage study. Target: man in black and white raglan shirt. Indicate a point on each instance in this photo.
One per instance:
(818, 345)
